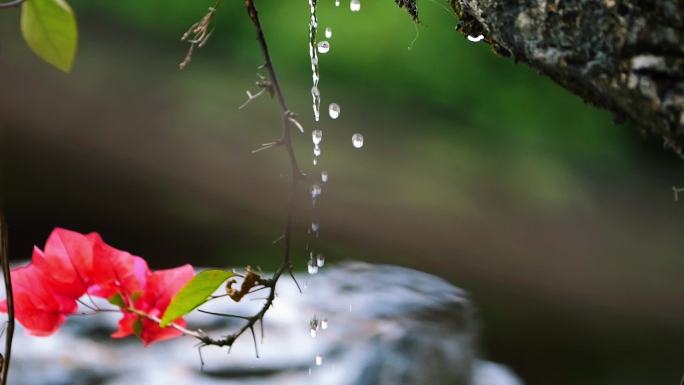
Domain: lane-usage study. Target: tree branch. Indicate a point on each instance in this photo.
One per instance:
(626, 56)
(185, 331)
(9, 331)
(11, 4)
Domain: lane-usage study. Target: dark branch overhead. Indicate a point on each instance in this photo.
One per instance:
(410, 6)
(626, 56)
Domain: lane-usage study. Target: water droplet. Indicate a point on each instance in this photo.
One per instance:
(337, 3)
(350, 308)
(315, 91)
(357, 140)
(315, 191)
(317, 150)
(355, 5)
(334, 110)
(314, 325)
(316, 136)
(312, 268)
(324, 176)
(323, 46)
(324, 324)
(319, 360)
(328, 32)
(320, 260)
(315, 161)
(475, 39)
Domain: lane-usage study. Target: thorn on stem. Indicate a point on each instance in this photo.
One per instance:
(291, 117)
(256, 347)
(199, 351)
(251, 97)
(265, 146)
(289, 270)
(223, 314)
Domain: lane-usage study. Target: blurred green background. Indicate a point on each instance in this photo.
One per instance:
(561, 225)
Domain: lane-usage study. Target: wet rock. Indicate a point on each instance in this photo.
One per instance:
(384, 325)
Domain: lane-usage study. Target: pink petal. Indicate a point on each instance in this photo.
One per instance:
(66, 263)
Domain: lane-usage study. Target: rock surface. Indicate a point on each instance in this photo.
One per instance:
(626, 56)
(384, 325)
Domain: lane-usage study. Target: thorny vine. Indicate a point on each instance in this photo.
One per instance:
(200, 33)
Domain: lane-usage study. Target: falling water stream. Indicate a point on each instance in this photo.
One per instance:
(316, 259)
(313, 54)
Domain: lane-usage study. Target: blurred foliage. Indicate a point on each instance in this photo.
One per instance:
(488, 99)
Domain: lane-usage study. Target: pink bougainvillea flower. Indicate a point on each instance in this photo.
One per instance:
(73, 264)
(116, 272)
(67, 262)
(160, 288)
(37, 307)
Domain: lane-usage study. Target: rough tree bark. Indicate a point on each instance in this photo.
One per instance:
(626, 56)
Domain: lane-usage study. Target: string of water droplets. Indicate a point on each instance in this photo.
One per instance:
(316, 134)
(357, 139)
(313, 54)
(316, 137)
(316, 260)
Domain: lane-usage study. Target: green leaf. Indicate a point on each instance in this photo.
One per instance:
(193, 294)
(49, 28)
(117, 300)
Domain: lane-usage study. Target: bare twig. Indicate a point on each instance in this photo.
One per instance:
(192, 333)
(286, 141)
(288, 120)
(4, 259)
(199, 33)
